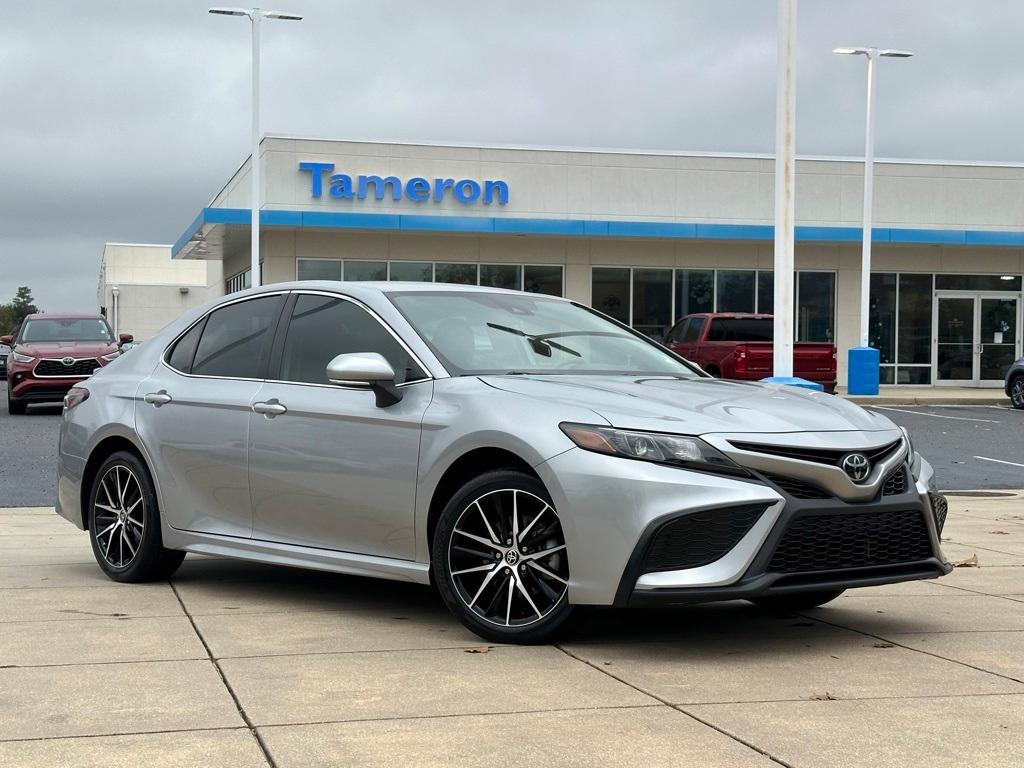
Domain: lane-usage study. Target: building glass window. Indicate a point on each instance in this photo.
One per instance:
(502, 276)
(318, 269)
(412, 271)
(914, 343)
(735, 290)
(460, 274)
(652, 301)
(542, 279)
(365, 270)
(882, 316)
(816, 298)
(977, 282)
(765, 292)
(610, 291)
(695, 291)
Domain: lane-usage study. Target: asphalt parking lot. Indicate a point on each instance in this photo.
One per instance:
(234, 664)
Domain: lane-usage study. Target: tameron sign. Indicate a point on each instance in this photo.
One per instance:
(417, 189)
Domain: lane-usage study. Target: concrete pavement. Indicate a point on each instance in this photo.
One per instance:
(236, 664)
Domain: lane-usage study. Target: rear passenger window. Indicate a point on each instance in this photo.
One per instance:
(236, 338)
(180, 357)
(322, 327)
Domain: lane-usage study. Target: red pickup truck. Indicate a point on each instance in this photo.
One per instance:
(739, 346)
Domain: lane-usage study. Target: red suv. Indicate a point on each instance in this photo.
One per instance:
(54, 352)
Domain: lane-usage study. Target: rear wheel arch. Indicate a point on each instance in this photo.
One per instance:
(104, 449)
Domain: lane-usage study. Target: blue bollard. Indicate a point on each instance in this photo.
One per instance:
(862, 371)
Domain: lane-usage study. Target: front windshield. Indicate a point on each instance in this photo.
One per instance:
(477, 333)
(65, 329)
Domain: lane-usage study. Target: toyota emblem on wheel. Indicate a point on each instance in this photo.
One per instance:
(856, 466)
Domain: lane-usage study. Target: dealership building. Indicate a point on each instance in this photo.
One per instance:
(649, 238)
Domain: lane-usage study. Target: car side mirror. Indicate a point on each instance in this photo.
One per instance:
(125, 338)
(366, 369)
(8, 340)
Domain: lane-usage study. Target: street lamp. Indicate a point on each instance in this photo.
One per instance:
(256, 16)
(863, 362)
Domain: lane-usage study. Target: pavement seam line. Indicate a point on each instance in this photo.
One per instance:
(127, 733)
(898, 644)
(712, 726)
(223, 678)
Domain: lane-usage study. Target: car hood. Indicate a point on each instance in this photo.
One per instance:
(66, 348)
(698, 406)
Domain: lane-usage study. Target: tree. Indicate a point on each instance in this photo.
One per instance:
(13, 313)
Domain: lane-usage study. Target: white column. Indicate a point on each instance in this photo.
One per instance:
(869, 180)
(785, 181)
(256, 18)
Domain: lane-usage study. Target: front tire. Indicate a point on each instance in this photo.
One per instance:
(500, 559)
(15, 407)
(798, 601)
(124, 523)
(1017, 391)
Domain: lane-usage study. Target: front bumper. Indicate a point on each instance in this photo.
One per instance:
(611, 509)
(27, 388)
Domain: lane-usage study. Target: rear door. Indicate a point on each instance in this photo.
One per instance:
(194, 418)
(331, 469)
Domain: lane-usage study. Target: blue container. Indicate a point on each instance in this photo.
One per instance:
(862, 371)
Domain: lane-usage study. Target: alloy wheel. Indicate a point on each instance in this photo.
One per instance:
(507, 558)
(1017, 392)
(119, 516)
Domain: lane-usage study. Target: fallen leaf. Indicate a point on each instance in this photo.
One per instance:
(479, 649)
(1000, 533)
(826, 696)
(883, 645)
(970, 562)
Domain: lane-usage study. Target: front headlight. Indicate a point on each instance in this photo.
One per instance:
(656, 447)
(20, 358)
(112, 356)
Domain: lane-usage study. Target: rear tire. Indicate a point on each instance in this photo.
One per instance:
(490, 565)
(124, 523)
(1017, 391)
(798, 601)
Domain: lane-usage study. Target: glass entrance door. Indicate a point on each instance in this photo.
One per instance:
(977, 337)
(998, 343)
(954, 340)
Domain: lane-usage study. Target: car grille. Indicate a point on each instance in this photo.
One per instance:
(699, 538)
(940, 507)
(798, 489)
(817, 455)
(896, 483)
(827, 542)
(57, 368)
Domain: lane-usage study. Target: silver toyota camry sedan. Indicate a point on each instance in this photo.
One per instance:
(525, 454)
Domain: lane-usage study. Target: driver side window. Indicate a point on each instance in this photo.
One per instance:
(322, 327)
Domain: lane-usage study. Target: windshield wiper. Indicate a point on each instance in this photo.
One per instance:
(541, 344)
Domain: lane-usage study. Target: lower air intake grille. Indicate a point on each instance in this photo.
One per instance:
(826, 542)
(896, 483)
(798, 489)
(699, 538)
(939, 508)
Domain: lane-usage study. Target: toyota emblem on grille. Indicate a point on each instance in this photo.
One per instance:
(856, 466)
(69, 361)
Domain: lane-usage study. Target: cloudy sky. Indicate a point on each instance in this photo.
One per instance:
(119, 120)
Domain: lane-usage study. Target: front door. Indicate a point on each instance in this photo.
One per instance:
(977, 337)
(329, 468)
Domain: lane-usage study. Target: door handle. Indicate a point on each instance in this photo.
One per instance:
(158, 398)
(269, 408)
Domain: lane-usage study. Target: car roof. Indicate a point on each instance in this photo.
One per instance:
(359, 288)
(732, 315)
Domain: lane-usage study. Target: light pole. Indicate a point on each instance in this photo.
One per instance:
(785, 189)
(863, 362)
(256, 16)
